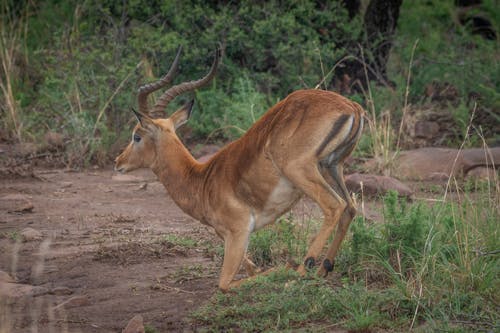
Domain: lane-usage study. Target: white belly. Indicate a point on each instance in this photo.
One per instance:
(281, 199)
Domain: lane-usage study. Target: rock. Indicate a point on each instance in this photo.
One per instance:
(126, 178)
(438, 177)
(75, 301)
(482, 173)
(30, 234)
(425, 163)
(66, 184)
(59, 291)
(426, 129)
(15, 197)
(23, 208)
(5, 277)
(54, 140)
(376, 185)
(18, 203)
(17, 290)
(105, 188)
(135, 325)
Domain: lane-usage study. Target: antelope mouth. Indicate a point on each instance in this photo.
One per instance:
(120, 169)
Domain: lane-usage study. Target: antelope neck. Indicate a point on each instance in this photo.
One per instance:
(181, 176)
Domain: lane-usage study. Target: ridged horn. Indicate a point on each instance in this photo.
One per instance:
(144, 91)
(181, 88)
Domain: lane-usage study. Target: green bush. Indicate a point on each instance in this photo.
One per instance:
(76, 54)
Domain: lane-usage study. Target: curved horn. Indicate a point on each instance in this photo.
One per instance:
(179, 89)
(145, 90)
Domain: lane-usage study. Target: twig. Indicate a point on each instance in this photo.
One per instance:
(459, 152)
(164, 286)
(416, 308)
(407, 92)
(105, 106)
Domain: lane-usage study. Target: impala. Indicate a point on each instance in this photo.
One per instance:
(298, 147)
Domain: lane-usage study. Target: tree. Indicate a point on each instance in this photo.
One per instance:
(380, 21)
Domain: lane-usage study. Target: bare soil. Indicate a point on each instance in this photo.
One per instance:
(103, 251)
(106, 251)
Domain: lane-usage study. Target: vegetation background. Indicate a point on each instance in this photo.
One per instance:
(73, 67)
(69, 75)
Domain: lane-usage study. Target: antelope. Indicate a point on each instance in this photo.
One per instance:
(298, 147)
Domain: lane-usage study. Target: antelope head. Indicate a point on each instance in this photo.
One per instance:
(152, 133)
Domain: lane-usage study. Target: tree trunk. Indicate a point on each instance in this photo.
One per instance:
(380, 22)
(380, 19)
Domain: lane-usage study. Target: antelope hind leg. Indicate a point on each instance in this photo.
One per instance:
(309, 179)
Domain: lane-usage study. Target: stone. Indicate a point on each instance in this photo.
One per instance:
(135, 325)
(75, 301)
(30, 234)
(482, 173)
(376, 185)
(60, 291)
(426, 129)
(54, 140)
(5, 277)
(18, 290)
(26, 207)
(66, 184)
(425, 163)
(127, 178)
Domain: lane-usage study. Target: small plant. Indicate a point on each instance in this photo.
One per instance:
(150, 329)
(181, 241)
(278, 243)
(11, 30)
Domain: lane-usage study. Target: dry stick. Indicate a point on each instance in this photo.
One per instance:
(417, 307)
(459, 152)
(489, 155)
(407, 92)
(321, 65)
(332, 69)
(7, 55)
(120, 86)
(373, 123)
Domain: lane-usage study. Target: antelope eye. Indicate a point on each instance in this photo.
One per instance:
(136, 137)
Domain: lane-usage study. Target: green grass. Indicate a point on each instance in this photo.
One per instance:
(426, 268)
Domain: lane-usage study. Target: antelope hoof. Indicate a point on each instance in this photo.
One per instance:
(328, 266)
(309, 263)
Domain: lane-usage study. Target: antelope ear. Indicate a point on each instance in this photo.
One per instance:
(145, 121)
(181, 116)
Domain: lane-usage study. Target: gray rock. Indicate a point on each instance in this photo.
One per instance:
(135, 325)
(482, 173)
(426, 129)
(17, 290)
(424, 163)
(376, 185)
(30, 234)
(60, 291)
(75, 301)
(5, 277)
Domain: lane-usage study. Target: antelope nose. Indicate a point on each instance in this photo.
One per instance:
(118, 168)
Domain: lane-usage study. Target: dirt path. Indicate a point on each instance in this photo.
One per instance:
(103, 250)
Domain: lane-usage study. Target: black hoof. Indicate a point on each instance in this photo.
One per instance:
(309, 263)
(327, 265)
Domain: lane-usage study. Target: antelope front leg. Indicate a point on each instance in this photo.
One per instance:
(235, 246)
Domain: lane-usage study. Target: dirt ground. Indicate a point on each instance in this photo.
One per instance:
(96, 258)
(99, 252)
